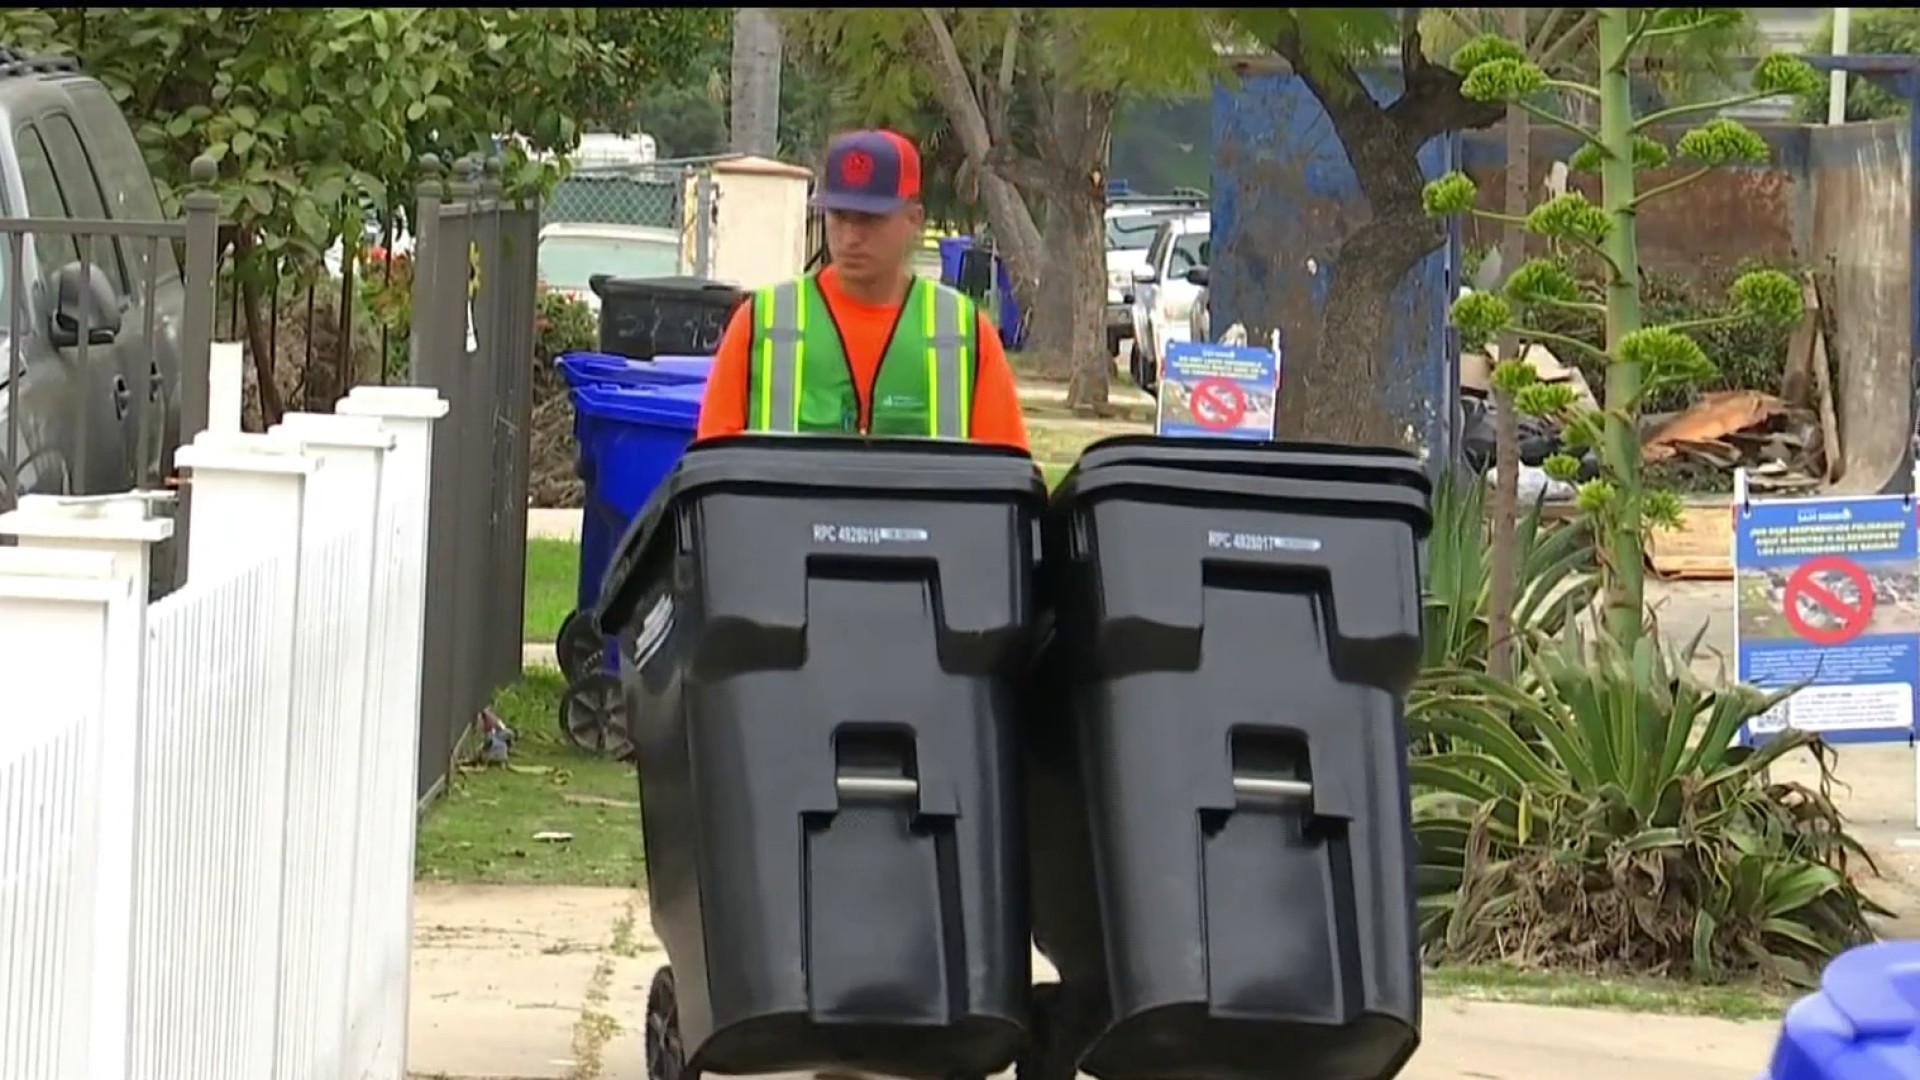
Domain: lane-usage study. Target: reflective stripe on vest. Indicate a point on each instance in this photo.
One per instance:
(780, 367)
(783, 357)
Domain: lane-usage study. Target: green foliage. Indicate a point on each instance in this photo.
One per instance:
(1542, 281)
(1768, 296)
(1723, 142)
(1508, 79)
(1553, 576)
(1666, 357)
(1544, 399)
(1875, 31)
(1480, 317)
(1514, 377)
(316, 116)
(562, 325)
(1562, 467)
(1601, 816)
(1783, 73)
(1485, 49)
(1453, 193)
(1648, 153)
(1570, 217)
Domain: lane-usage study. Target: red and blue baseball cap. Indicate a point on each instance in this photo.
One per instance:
(869, 172)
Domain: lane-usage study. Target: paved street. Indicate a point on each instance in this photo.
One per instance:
(550, 984)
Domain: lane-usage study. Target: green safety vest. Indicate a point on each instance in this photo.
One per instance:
(799, 381)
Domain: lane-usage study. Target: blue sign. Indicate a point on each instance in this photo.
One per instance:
(1827, 597)
(1218, 391)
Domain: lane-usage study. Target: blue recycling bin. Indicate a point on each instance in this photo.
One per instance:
(630, 437)
(951, 248)
(583, 368)
(1862, 1024)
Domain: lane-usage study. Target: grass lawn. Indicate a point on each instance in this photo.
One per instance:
(482, 829)
(553, 575)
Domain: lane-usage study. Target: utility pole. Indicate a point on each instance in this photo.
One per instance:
(754, 123)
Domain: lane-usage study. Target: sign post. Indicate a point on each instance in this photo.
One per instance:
(1827, 597)
(1218, 391)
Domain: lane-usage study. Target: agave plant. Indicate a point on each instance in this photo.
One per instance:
(1606, 817)
(1553, 577)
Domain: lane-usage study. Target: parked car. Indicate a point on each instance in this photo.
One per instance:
(1162, 294)
(1200, 319)
(1131, 222)
(107, 418)
(572, 252)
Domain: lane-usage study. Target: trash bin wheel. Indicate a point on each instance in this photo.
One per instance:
(1055, 1037)
(593, 716)
(578, 647)
(666, 1057)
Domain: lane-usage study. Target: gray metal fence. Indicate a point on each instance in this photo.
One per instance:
(107, 327)
(473, 340)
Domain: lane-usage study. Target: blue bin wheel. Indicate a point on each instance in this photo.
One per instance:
(1057, 1033)
(666, 1055)
(578, 647)
(593, 716)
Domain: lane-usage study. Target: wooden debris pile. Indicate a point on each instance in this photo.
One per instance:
(1787, 443)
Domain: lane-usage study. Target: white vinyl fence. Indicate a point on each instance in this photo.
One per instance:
(207, 802)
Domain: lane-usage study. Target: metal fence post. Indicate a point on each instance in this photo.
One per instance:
(203, 238)
(703, 223)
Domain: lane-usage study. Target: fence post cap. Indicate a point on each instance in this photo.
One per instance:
(114, 518)
(393, 402)
(218, 451)
(204, 170)
(335, 431)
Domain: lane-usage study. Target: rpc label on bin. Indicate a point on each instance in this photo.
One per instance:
(867, 535)
(1258, 543)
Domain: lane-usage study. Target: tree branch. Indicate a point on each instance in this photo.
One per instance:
(1705, 323)
(1551, 338)
(1670, 186)
(1565, 43)
(1546, 117)
(1539, 41)
(1588, 306)
(1570, 87)
(1667, 115)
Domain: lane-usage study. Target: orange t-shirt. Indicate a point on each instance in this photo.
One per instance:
(865, 328)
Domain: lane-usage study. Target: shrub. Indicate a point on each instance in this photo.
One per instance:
(1553, 566)
(562, 325)
(1603, 818)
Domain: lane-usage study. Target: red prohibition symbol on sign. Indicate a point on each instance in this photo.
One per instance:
(1845, 619)
(1217, 404)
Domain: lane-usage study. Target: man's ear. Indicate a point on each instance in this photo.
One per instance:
(917, 214)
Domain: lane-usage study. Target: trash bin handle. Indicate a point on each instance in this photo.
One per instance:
(1266, 787)
(877, 787)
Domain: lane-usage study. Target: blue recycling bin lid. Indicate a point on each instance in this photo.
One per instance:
(1862, 1024)
(583, 368)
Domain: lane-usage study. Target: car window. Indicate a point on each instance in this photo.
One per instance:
(73, 171)
(124, 179)
(566, 262)
(1188, 252)
(52, 250)
(1131, 232)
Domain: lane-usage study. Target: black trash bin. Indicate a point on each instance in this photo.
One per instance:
(644, 318)
(1221, 849)
(828, 638)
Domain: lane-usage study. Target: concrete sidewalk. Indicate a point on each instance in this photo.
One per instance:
(551, 984)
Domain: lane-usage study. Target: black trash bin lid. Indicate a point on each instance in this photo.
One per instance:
(1205, 490)
(1280, 460)
(811, 467)
(698, 289)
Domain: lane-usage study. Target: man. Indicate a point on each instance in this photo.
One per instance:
(864, 346)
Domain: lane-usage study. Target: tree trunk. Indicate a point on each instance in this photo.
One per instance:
(1081, 261)
(1336, 396)
(1506, 454)
(259, 341)
(754, 114)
